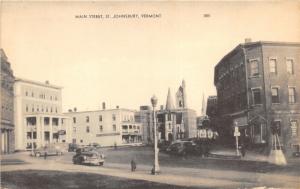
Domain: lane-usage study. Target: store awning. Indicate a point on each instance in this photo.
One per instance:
(240, 121)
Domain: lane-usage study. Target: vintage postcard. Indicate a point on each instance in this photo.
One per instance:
(150, 94)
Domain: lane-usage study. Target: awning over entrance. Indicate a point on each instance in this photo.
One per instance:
(240, 121)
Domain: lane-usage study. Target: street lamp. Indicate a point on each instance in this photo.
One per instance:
(155, 169)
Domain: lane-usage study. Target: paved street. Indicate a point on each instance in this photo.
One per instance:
(190, 171)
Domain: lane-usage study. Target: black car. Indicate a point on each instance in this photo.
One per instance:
(90, 157)
(182, 148)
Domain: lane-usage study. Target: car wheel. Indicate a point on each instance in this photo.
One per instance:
(37, 154)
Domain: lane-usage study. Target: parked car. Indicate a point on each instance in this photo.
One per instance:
(182, 148)
(49, 150)
(89, 157)
(73, 147)
(94, 144)
(163, 145)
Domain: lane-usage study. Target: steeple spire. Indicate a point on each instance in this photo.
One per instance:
(169, 103)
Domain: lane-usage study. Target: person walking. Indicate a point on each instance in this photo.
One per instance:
(45, 155)
(243, 150)
(133, 165)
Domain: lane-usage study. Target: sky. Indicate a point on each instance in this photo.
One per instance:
(124, 61)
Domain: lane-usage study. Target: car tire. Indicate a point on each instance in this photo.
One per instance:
(37, 154)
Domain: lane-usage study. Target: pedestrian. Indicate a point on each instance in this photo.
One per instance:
(45, 155)
(115, 146)
(133, 165)
(243, 150)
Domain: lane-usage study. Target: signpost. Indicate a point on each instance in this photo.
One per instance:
(236, 134)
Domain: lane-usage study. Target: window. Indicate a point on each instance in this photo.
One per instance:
(32, 109)
(294, 127)
(114, 127)
(74, 129)
(26, 93)
(114, 117)
(74, 119)
(50, 97)
(87, 129)
(290, 66)
(101, 128)
(26, 108)
(55, 98)
(275, 95)
(37, 108)
(292, 97)
(273, 66)
(100, 117)
(32, 94)
(254, 68)
(81, 141)
(55, 110)
(256, 96)
(87, 119)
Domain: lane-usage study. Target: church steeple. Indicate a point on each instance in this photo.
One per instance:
(169, 103)
(181, 101)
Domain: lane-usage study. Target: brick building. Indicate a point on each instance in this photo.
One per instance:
(7, 106)
(258, 86)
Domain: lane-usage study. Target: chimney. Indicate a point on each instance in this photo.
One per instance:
(117, 107)
(248, 40)
(103, 105)
(75, 109)
(47, 82)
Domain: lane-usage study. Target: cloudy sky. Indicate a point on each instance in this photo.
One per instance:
(124, 61)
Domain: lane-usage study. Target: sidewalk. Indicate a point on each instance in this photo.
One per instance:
(250, 155)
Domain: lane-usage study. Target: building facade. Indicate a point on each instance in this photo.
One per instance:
(107, 127)
(38, 115)
(7, 106)
(173, 122)
(258, 87)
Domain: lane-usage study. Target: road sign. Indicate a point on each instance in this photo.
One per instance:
(237, 134)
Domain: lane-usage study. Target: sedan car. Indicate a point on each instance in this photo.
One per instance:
(89, 157)
(48, 150)
(182, 148)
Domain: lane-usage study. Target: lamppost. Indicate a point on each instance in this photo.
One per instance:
(155, 169)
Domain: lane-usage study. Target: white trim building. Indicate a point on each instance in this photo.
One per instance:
(107, 127)
(38, 117)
